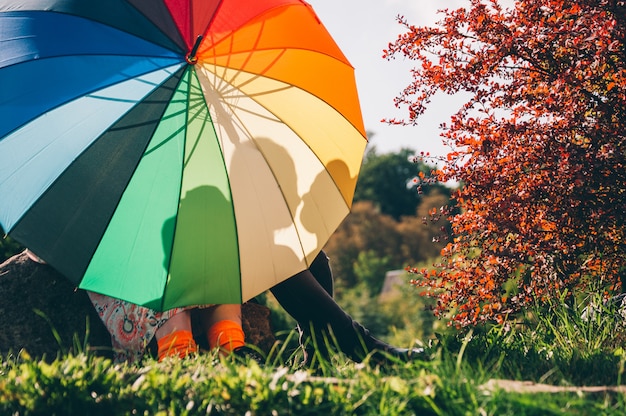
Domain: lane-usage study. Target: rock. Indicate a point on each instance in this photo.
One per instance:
(42, 313)
(257, 326)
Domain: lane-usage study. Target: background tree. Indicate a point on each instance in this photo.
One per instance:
(539, 147)
(387, 180)
(365, 230)
(424, 234)
(389, 226)
(370, 241)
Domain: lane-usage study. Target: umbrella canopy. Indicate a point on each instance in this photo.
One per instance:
(174, 152)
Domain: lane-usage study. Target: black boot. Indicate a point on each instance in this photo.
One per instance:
(356, 344)
(381, 352)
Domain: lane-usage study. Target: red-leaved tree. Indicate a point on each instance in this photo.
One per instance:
(538, 148)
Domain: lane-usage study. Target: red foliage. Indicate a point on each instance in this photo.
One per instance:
(539, 149)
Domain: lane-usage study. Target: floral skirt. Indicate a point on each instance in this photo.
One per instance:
(131, 326)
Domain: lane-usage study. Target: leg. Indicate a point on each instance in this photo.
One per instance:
(213, 315)
(222, 324)
(320, 268)
(179, 322)
(175, 338)
(321, 271)
(310, 303)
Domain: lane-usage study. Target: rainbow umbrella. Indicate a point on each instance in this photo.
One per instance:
(174, 152)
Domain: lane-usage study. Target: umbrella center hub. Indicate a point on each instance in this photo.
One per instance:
(191, 58)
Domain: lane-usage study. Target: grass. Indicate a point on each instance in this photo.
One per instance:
(557, 354)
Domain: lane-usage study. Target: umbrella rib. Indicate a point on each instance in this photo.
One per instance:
(249, 134)
(278, 119)
(245, 110)
(241, 70)
(197, 103)
(342, 59)
(201, 101)
(187, 75)
(197, 139)
(165, 141)
(272, 91)
(250, 53)
(171, 136)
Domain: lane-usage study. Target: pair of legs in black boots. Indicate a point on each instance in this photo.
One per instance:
(308, 298)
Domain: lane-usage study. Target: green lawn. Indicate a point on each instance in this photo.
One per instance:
(555, 361)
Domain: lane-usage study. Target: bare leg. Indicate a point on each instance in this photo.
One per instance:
(179, 322)
(211, 316)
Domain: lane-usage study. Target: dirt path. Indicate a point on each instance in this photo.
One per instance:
(530, 387)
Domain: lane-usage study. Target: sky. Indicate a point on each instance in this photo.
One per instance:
(362, 29)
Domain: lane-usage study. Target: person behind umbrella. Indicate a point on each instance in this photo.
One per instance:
(306, 296)
(132, 327)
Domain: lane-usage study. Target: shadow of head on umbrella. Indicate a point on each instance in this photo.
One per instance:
(317, 194)
(200, 247)
(337, 175)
